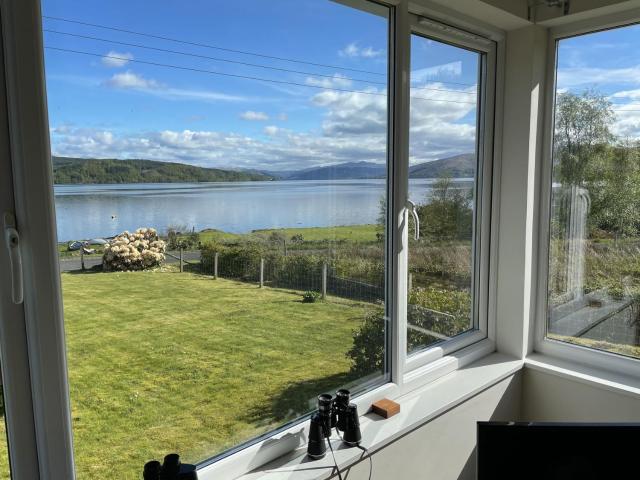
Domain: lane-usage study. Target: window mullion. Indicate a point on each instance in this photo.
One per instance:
(399, 184)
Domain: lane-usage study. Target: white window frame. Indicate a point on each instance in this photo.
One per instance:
(487, 47)
(45, 329)
(575, 353)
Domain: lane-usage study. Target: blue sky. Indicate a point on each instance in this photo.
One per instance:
(108, 103)
(607, 62)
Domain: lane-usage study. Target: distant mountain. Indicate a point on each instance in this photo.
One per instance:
(341, 171)
(90, 170)
(458, 166)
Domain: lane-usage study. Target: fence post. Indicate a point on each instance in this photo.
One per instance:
(261, 272)
(324, 280)
(215, 266)
(181, 261)
(82, 258)
(410, 286)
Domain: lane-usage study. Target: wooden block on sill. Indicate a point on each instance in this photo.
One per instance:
(385, 408)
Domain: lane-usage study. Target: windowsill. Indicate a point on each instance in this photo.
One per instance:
(609, 380)
(416, 408)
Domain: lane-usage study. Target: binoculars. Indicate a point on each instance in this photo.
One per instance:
(333, 412)
(171, 469)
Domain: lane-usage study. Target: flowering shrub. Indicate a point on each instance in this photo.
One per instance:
(134, 251)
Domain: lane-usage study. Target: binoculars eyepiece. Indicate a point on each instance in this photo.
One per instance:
(171, 469)
(333, 412)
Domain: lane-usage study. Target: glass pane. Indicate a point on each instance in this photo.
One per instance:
(594, 250)
(5, 472)
(442, 184)
(250, 141)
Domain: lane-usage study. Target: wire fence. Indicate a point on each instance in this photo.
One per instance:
(296, 274)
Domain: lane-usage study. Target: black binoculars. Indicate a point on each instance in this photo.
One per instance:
(333, 412)
(171, 469)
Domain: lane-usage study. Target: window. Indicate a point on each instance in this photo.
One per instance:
(221, 206)
(594, 256)
(220, 202)
(443, 172)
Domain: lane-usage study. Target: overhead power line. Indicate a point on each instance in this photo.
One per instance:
(225, 49)
(204, 45)
(246, 77)
(237, 62)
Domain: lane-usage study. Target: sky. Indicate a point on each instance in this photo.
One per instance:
(119, 94)
(607, 62)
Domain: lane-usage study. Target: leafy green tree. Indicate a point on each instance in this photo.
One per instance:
(447, 214)
(582, 135)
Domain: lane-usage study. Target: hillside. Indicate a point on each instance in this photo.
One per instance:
(458, 166)
(88, 170)
(342, 171)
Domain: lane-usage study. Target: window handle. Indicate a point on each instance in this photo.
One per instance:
(12, 239)
(414, 213)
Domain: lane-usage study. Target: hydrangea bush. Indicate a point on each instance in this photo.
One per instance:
(139, 250)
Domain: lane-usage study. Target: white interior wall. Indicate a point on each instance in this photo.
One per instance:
(548, 397)
(444, 448)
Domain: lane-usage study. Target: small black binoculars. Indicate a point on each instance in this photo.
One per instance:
(171, 469)
(333, 412)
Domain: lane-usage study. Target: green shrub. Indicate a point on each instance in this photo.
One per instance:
(367, 352)
(310, 296)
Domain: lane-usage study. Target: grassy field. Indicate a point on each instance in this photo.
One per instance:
(351, 233)
(162, 362)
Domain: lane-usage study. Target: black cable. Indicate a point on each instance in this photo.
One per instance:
(246, 77)
(367, 454)
(237, 62)
(204, 45)
(334, 457)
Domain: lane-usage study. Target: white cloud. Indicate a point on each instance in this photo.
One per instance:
(132, 80)
(271, 130)
(252, 116)
(115, 59)
(579, 76)
(336, 81)
(353, 50)
(627, 94)
(283, 117)
(452, 69)
(353, 128)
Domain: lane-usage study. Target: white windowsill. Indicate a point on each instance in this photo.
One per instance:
(579, 372)
(416, 408)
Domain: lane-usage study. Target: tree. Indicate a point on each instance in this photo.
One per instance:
(447, 213)
(582, 135)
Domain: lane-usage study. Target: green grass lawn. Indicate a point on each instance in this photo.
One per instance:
(161, 362)
(352, 233)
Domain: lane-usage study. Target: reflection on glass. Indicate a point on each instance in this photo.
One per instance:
(594, 249)
(443, 134)
(220, 215)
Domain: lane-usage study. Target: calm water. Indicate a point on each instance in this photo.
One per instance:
(90, 211)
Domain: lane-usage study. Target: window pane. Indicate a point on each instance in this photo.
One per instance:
(594, 251)
(5, 472)
(442, 184)
(250, 141)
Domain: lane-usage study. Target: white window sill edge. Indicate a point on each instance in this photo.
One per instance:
(416, 408)
(579, 372)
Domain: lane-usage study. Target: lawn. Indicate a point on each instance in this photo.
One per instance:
(352, 233)
(161, 362)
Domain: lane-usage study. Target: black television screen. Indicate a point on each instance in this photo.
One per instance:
(558, 451)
